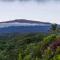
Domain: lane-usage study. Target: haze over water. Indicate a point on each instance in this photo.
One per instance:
(46, 10)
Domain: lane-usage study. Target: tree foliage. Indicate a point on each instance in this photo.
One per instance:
(35, 46)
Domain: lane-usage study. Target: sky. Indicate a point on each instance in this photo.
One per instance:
(41, 10)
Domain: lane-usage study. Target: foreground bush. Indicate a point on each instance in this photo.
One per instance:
(36, 46)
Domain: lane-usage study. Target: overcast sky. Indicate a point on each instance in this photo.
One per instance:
(47, 11)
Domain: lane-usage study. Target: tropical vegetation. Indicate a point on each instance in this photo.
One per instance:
(31, 46)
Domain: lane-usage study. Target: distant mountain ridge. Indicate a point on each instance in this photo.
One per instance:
(24, 21)
(24, 26)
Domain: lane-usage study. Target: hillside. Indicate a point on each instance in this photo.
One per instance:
(29, 42)
(24, 26)
(33, 46)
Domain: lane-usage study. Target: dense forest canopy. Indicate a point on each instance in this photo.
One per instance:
(31, 46)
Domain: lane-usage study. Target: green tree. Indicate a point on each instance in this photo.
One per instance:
(54, 28)
(27, 57)
(20, 54)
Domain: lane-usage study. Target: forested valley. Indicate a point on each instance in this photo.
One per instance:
(31, 46)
